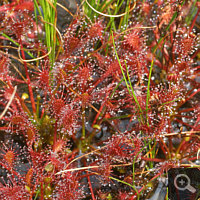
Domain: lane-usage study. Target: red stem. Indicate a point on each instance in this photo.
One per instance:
(96, 117)
(186, 146)
(15, 79)
(12, 171)
(186, 124)
(187, 117)
(42, 191)
(187, 109)
(90, 186)
(195, 54)
(196, 124)
(55, 136)
(23, 105)
(195, 18)
(28, 82)
(193, 158)
(164, 148)
(153, 159)
(133, 197)
(3, 128)
(194, 93)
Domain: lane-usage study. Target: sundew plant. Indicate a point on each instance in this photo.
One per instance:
(101, 107)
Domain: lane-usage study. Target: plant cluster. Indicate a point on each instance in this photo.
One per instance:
(102, 109)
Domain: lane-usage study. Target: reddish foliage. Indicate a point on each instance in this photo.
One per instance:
(18, 5)
(68, 119)
(90, 115)
(68, 187)
(134, 40)
(96, 30)
(14, 192)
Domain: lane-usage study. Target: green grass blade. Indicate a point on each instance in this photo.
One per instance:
(152, 62)
(129, 87)
(16, 43)
(49, 19)
(133, 93)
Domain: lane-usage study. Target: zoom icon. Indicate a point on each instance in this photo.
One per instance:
(184, 184)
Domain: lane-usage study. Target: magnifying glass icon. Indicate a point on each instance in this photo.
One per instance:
(182, 182)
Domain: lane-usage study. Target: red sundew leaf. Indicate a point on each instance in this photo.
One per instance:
(59, 145)
(83, 77)
(68, 66)
(105, 169)
(3, 65)
(183, 46)
(29, 176)
(125, 196)
(84, 98)
(168, 164)
(19, 27)
(9, 157)
(187, 45)
(96, 30)
(60, 74)
(68, 187)
(138, 65)
(134, 40)
(112, 70)
(71, 44)
(121, 147)
(102, 60)
(17, 120)
(14, 192)
(57, 162)
(68, 119)
(164, 95)
(25, 6)
(166, 15)
(21, 122)
(197, 123)
(146, 8)
(42, 77)
(56, 106)
(30, 134)
(4, 8)
(38, 161)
